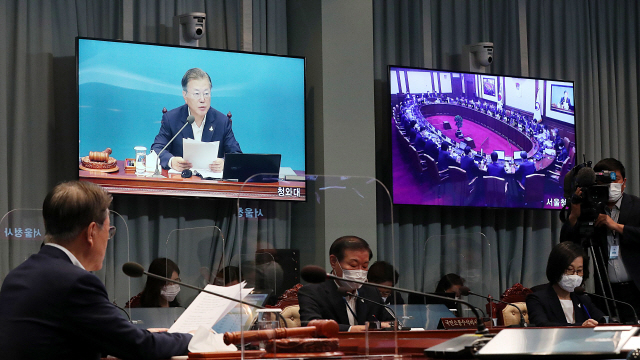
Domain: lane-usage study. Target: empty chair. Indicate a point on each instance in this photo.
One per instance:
(495, 191)
(534, 190)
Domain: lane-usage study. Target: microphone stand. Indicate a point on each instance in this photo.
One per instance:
(522, 322)
(344, 292)
(157, 174)
(311, 270)
(580, 291)
(201, 290)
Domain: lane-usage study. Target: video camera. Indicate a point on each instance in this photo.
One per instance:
(595, 193)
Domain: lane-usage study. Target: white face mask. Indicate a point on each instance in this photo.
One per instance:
(358, 275)
(615, 192)
(169, 292)
(570, 282)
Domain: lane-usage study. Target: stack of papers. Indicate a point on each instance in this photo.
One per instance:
(207, 309)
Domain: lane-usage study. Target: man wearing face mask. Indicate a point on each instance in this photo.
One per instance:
(349, 257)
(617, 233)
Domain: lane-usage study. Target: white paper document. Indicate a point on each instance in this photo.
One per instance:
(200, 154)
(207, 309)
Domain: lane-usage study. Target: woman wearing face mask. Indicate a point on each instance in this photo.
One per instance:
(156, 292)
(557, 304)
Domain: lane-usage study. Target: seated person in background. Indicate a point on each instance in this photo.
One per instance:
(431, 149)
(450, 283)
(349, 258)
(444, 158)
(210, 125)
(526, 168)
(495, 168)
(383, 273)
(156, 292)
(557, 304)
(562, 154)
(565, 102)
(467, 164)
(228, 276)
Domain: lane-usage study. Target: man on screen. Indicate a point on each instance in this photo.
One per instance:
(565, 102)
(210, 125)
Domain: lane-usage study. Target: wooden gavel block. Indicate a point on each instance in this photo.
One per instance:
(315, 328)
(102, 156)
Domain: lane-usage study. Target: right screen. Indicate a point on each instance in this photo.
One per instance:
(466, 139)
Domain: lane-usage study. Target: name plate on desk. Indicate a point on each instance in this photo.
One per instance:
(459, 323)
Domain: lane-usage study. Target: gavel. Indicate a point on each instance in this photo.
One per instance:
(102, 156)
(316, 328)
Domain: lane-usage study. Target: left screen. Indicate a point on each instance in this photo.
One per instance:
(125, 89)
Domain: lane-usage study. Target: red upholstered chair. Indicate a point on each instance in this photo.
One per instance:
(288, 302)
(508, 315)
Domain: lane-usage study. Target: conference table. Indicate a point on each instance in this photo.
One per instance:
(127, 182)
(374, 344)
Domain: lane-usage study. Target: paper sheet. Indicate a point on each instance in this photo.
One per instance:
(207, 309)
(200, 154)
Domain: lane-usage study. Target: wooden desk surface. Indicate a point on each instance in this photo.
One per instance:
(124, 182)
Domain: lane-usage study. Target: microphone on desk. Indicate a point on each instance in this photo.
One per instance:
(316, 274)
(580, 290)
(190, 120)
(345, 291)
(464, 290)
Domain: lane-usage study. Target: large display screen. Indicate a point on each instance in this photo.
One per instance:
(134, 97)
(467, 139)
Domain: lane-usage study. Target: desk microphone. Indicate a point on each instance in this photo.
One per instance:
(190, 120)
(315, 274)
(345, 291)
(580, 290)
(134, 269)
(464, 290)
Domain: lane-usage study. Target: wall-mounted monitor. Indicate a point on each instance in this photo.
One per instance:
(135, 97)
(468, 139)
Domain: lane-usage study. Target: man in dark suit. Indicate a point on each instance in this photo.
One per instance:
(431, 149)
(210, 125)
(444, 158)
(526, 168)
(617, 233)
(51, 306)
(349, 258)
(467, 164)
(565, 102)
(495, 168)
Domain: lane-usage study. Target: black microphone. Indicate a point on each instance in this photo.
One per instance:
(316, 274)
(464, 290)
(190, 120)
(345, 291)
(580, 290)
(133, 269)
(585, 177)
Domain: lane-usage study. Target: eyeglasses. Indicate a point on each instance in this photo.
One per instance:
(112, 231)
(197, 95)
(571, 271)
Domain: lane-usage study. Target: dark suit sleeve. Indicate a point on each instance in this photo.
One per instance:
(311, 307)
(96, 321)
(164, 135)
(230, 144)
(537, 309)
(631, 233)
(595, 313)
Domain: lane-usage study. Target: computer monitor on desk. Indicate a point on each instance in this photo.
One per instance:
(422, 316)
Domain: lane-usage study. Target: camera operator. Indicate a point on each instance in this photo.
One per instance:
(617, 233)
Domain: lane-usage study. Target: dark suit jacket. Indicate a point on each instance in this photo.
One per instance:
(526, 168)
(445, 160)
(467, 164)
(394, 299)
(629, 240)
(494, 169)
(322, 301)
(544, 309)
(173, 120)
(52, 309)
(431, 149)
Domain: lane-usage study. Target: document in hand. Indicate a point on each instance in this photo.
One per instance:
(207, 309)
